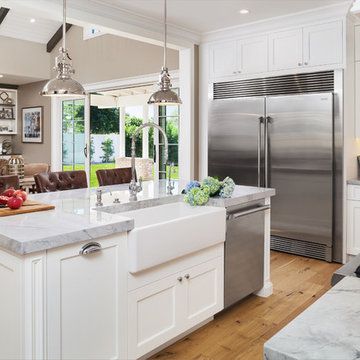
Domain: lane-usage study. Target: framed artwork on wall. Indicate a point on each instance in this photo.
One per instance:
(32, 124)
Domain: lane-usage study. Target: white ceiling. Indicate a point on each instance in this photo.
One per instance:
(17, 80)
(17, 25)
(204, 16)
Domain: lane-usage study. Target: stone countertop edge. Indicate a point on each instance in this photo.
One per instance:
(353, 182)
(327, 329)
(56, 241)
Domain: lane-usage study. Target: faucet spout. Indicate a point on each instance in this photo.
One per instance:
(134, 187)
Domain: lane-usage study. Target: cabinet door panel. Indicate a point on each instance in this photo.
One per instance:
(285, 50)
(154, 316)
(323, 44)
(253, 55)
(353, 226)
(223, 59)
(204, 291)
(83, 303)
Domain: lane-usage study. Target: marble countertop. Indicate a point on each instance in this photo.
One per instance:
(354, 182)
(329, 329)
(76, 219)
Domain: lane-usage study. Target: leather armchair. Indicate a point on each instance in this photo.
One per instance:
(61, 180)
(7, 181)
(114, 176)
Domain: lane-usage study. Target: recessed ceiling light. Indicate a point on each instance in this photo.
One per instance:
(244, 11)
(32, 20)
(1, 75)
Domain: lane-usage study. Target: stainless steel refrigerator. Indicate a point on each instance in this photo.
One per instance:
(285, 142)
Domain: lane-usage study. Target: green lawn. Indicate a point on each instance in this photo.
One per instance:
(94, 167)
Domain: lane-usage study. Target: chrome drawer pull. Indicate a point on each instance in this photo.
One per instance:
(187, 276)
(90, 248)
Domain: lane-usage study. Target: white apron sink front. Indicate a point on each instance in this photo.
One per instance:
(167, 232)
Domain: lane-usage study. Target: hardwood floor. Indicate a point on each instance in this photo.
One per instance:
(241, 331)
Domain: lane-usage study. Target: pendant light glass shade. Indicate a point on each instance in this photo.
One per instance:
(165, 96)
(63, 84)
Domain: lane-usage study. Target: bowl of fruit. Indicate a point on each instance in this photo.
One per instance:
(12, 198)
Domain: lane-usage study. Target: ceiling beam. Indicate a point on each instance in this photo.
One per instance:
(3, 12)
(56, 38)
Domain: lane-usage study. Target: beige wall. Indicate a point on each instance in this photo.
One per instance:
(24, 58)
(110, 57)
(28, 95)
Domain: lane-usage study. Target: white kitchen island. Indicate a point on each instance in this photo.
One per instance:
(117, 282)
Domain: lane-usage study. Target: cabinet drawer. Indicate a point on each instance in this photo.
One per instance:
(353, 192)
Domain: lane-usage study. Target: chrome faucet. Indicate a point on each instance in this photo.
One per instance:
(135, 187)
(170, 185)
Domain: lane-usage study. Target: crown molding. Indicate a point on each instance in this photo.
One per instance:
(280, 22)
(111, 19)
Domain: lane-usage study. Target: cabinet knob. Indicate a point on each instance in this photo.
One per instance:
(300, 64)
(180, 279)
(306, 63)
(187, 276)
(234, 72)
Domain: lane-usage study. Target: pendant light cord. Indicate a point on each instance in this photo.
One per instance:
(64, 26)
(165, 32)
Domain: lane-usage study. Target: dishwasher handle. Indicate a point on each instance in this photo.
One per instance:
(247, 212)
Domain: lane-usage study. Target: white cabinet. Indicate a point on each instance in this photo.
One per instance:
(323, 44)
(223, 59)
(285, 50)
(353, 220)
(246, 56)
(166, 308)
(84, 302)
(252, 54)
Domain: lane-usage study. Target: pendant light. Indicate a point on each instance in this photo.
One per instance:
(165, 96)
(63, 84)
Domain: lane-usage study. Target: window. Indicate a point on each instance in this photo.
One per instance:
(73, 135)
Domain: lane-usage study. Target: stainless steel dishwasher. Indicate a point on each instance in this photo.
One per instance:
(244, 252)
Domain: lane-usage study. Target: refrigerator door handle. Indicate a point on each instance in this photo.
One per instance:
(261, 121)
(266, 150)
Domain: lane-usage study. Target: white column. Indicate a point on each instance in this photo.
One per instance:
(122, 130)
(145, 134)
(186, 128)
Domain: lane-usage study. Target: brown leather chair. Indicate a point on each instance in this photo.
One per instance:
(7, 181)
(114, 176)
(59, 181)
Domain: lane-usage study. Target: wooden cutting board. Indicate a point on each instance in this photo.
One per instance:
(29, 206)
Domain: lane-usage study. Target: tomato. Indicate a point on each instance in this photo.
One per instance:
(8, 192)
(21, 193)
(15, 202)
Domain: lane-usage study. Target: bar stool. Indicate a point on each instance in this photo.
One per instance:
(60, 180)
(117, 176)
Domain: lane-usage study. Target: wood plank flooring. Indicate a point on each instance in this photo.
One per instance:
(241, 331)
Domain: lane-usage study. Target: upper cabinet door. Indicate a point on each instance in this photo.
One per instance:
(252, 55)
(223, 60)
(323, 44)
(285, 50)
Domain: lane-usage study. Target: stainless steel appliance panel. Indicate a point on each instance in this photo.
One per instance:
(235, 139)
(244, 253)
(300, 160)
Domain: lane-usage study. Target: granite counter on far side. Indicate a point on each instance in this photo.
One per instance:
(329, 329)
(353, 182)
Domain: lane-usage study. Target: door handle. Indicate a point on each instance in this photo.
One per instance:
(261, 121)
(86, 151)
(154, 153)
(266, 146)
(248, 212)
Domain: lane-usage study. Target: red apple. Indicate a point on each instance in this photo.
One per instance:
(3, 200)
(15, 202)
(8, 192)
(21, 193)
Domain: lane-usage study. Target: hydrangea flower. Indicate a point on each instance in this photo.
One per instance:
(228, 187)
(190, 185)
(213, 184)
(197, 196)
